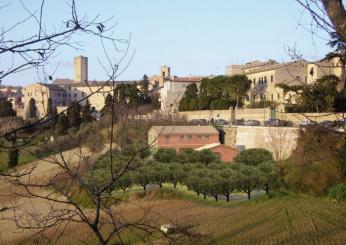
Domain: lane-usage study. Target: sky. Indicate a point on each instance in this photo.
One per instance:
(193, 37)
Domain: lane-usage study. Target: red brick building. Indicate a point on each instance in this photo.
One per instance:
(179, 137)
(225, 153)
(195, 137)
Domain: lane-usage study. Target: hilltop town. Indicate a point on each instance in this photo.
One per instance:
(253, 154)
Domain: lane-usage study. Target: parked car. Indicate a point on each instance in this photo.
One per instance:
(278, 123)
(305, 123)
(198, 122)
(252, 123)
(328, 124)
(340, 123)
(221, 122)
(237, 122)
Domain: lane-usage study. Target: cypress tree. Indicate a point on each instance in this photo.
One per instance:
(73, 115)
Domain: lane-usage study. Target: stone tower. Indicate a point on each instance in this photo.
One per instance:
(165, 71)
(81, 69)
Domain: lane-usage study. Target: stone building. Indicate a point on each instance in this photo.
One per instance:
(265, 76)
(41, 93)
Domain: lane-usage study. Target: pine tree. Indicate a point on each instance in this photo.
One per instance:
(6, 108)
(108, 104)
(62, 125)
(86, 112)
(73, 115)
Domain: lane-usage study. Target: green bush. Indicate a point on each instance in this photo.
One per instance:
(165, 155)
(338, 192)
(254, 156)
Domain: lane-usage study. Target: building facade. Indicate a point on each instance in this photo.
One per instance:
(41, 93)
(180, 137)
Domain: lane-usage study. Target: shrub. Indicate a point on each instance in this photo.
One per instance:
(338, 192)
(165, 155)
(254, 156)
(13, 156)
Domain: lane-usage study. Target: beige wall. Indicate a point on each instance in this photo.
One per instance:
(206, 114)
(41, 94)
(294, 73)
(280, 141)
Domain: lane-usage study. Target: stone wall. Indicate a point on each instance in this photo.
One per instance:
(297, 118)
(281, 141)
(259, 114)
(206, 114)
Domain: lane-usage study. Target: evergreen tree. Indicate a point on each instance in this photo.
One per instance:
(145, 85)
(86, 112)
(6, 108)
(13, 152)
(62, 125)
(108, 104)
(32, 108)
(73, 115)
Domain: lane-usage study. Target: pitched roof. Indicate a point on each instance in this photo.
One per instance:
(185, 129)
(213, 145)
(274, 67)
(63, 81)
(52, 86)
(187, 79)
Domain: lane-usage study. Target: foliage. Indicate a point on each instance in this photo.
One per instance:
(6, 109)
(215, 93)
(62, 125)
(86, 112)
(165, 155)
(73, 115)
(342, 158)
(254, 156)
(338, 192)
(314, 165)
(319, 96)
(13, 156)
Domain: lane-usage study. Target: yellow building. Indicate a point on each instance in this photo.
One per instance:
(265, 76)
(41, 93)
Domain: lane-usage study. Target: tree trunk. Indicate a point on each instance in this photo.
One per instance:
(337, 15)
(204, 196)
(227, 197)
(248, 192)
(175, 185)
(216, 198)
(267, 188)
(144, 187)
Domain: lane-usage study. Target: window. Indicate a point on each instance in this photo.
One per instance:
(189, 138)
(59, 94)
(206, 138)
(278, 96)
(306, 79)
(265, 79)
(75, 95)
(181, 138)
(272, 97)
(272, 78)
(199, 137)
(83, 94)
(167, 139)
(298, 78)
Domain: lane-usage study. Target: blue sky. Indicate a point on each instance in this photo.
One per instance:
(197, 37)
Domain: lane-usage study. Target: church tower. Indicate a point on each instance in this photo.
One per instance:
(81, 69)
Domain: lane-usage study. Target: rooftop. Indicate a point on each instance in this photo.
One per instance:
(185, 129)
(275, 66)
